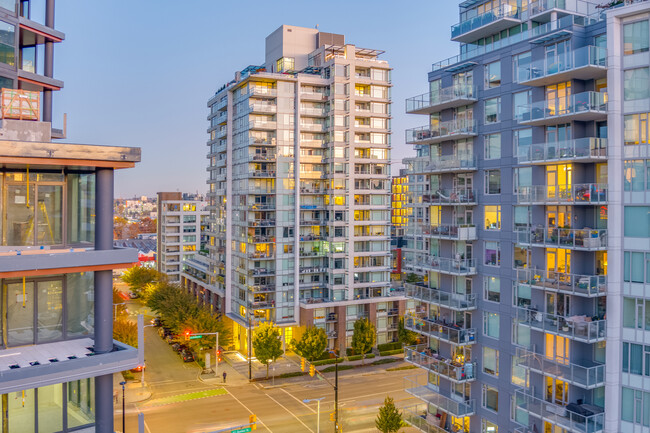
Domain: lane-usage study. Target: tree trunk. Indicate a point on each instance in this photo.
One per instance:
(267, 370)
(363, 359)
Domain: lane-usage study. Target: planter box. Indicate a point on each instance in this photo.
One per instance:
(466, 233)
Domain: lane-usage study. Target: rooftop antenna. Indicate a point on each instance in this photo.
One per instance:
(316, 26)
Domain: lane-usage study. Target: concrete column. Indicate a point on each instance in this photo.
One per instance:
(49, 62)
(104, 297)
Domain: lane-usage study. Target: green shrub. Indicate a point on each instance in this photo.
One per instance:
(349, 351)
(292, 374)
(389, 346)
(327, 361)
(341, 367)
(391, 352)
(404, 367)
(127, 375)
(358, 357)
(384, 361)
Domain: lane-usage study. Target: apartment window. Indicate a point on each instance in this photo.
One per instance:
(519, 373)
(492, 217)
(636, 129)
(490, 398)
(636, 313)
(492, 289)
(492, 181)
(521, 64)
(489, 427)
(635, 406)
(636, 38)
(492, 253)
(636, 359)
(522, 140)
(492, 110)
(636, 175)
(490, 361)
(635, 264)
(636, 84)
(491, 324)
(522, 179)
(521, 103)
(7, 51)
(493, 75)
(493, 146)
(637, 221)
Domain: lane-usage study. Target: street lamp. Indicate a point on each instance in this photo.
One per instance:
(336, 390)
(143, 364)
(317, 411)
(123, 407)
(115, 312)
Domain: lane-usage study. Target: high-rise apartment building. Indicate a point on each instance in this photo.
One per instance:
(531, 222)
(182, 227)
(299, 177)
(399, 218)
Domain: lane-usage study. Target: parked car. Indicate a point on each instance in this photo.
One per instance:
(137, 369)
(176, 346)
(156, 322)
(181, 348)
(133, 295)
(187, 356)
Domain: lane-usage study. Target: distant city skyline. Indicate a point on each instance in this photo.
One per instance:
(174, 76)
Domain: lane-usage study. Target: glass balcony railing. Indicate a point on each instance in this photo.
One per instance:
(456, 372)
(579, 239)
(540, 72)
(576, 194)
(579, 327)
(575, 284)
(428, 393)
(419, 417)
(445, 265)
(581, 106)
(453, 232)
(450, 130)
(589, 148)
(451, 196)
(499, 13)
(454, 301)
(439, 330)
(441, 99)
(447, 163)
(587, 376)
(581, 7)
(589, 419)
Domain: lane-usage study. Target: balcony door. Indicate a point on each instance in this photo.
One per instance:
(558, 57)
(558, 99)
(557, 391)
(559, 179)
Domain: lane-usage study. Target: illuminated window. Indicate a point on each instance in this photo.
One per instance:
(492, 217)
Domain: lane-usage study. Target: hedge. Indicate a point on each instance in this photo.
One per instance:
(341, 367)
(389, 346)
(292, 374)
(358, 357)
(391, 352)
(384, 361)
(327, 361)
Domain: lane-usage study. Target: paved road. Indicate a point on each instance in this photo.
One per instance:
(181, 403)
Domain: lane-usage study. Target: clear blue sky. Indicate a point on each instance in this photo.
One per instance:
(139, 73)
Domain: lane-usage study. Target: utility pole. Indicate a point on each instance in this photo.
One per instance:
(250, 343)
(336, 395)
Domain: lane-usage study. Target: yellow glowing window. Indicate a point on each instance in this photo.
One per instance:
(557, 349)
(339, 201)
(492, 217)
(242, 247)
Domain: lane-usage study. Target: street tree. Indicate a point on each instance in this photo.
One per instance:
(312, 344)
(125, 332)
(406, 336)
(119, 311)
(389, 419)
(364, 337)
(267, 344)
(138, 277)
(413, 278)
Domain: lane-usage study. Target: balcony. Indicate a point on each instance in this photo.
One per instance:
(586, 150)
(262, 108)
(582, 107)
(314, 112)
(586, 375)
(541, 10)
(265, 92)
(464, 197)
(574, 284)
(448, 97)
(261, 206)
(419, 417)
(585, 63)
(573, 239)
(430, 394)
(262, 124)
(457, 267)
(262, 173)
(444, 131)
(259, 141)
(440, 331)
(447, 368)
(577, 328)
(262, 223)
(576, 194)
(453, 301)
(486, 24)
(453, 232)
(261, 256)
(578, 418)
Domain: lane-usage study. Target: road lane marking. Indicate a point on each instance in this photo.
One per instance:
(292, 414)
(249, 411)
(299, 401)
(180, 398)
(371, 395)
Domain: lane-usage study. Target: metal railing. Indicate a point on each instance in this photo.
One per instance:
(576, 284)
(584, 376)
(561, 107)
(440, 331)
(574, 327)
(501, 12)
(582, 193)
(444, 367)
(440, 131)
(578, 58)
(584, 239)
(450, 196)
(419, 417)
(580, 148)
(453, 301)
(429, 394)
(442, 96)
(446, 265)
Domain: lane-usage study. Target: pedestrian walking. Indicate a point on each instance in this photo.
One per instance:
(224, 377)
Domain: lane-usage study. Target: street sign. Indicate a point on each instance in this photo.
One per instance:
(241, 430)
(195, 337)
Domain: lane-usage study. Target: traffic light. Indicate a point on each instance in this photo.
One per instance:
(312, 370)
(219, 355)
(187, 335)
(302, 364)
(252, 420)
(331, 416)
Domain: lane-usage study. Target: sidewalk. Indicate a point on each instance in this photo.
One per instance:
(234, 377)
(134, 392)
